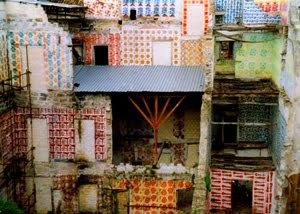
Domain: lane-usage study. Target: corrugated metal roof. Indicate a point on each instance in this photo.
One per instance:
(139, 79)
(48, 3)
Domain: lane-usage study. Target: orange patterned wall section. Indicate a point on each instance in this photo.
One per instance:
(137, 43)
(153, 195)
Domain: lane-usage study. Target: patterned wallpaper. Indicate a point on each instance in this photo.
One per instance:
(160, 194)
(61, 131)
(102, 9)
(93, 39)
(150, 8)
(57, 55)
(246, 11)
(279, 136)
(3, 56)
(257, 58)
(274, 6)
(253, 14)
(206, 13)
(262, 189)
(196, 52)
(255, 114)
(137, 43)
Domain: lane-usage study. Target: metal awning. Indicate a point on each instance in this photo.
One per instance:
(112, 79)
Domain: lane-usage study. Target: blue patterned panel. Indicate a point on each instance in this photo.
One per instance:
(254, 113)
(232, 9)
(165, 8)
(279, 135)
(246, 11)
(253, 14)
(254, 133)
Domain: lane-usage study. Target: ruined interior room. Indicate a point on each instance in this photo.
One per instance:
(178, 135)
(149, 106)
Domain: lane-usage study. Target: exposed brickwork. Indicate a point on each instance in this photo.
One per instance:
(262, 189)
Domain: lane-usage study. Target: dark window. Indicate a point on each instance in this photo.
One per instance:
(132, 14)
(101, 55)
(226, 50)
(224, 129)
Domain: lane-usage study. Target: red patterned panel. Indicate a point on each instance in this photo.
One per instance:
(7, 135)
(61, 130)
(262, 189)
(271, 6)
(98, 115)
(93, 39)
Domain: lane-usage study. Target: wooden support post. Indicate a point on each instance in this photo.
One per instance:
(164, 109)
(155, 143)
(157, 119)
(148, 109)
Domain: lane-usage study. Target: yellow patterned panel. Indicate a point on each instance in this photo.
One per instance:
(192, 124)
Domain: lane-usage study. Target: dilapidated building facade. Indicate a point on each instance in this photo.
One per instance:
(136, 106)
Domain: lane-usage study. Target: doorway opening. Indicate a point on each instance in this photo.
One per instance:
(101, 55)
(241, 196)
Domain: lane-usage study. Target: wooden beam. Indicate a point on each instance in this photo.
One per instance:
(141, 111)
(171, 112)
(148, 109)
(155, 144)
(164, 109)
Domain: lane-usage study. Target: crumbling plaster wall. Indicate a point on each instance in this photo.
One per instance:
(289, 107)
(200, 197)
(32, 29)
(3, 43)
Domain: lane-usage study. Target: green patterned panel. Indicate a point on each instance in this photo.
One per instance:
(257, 58)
